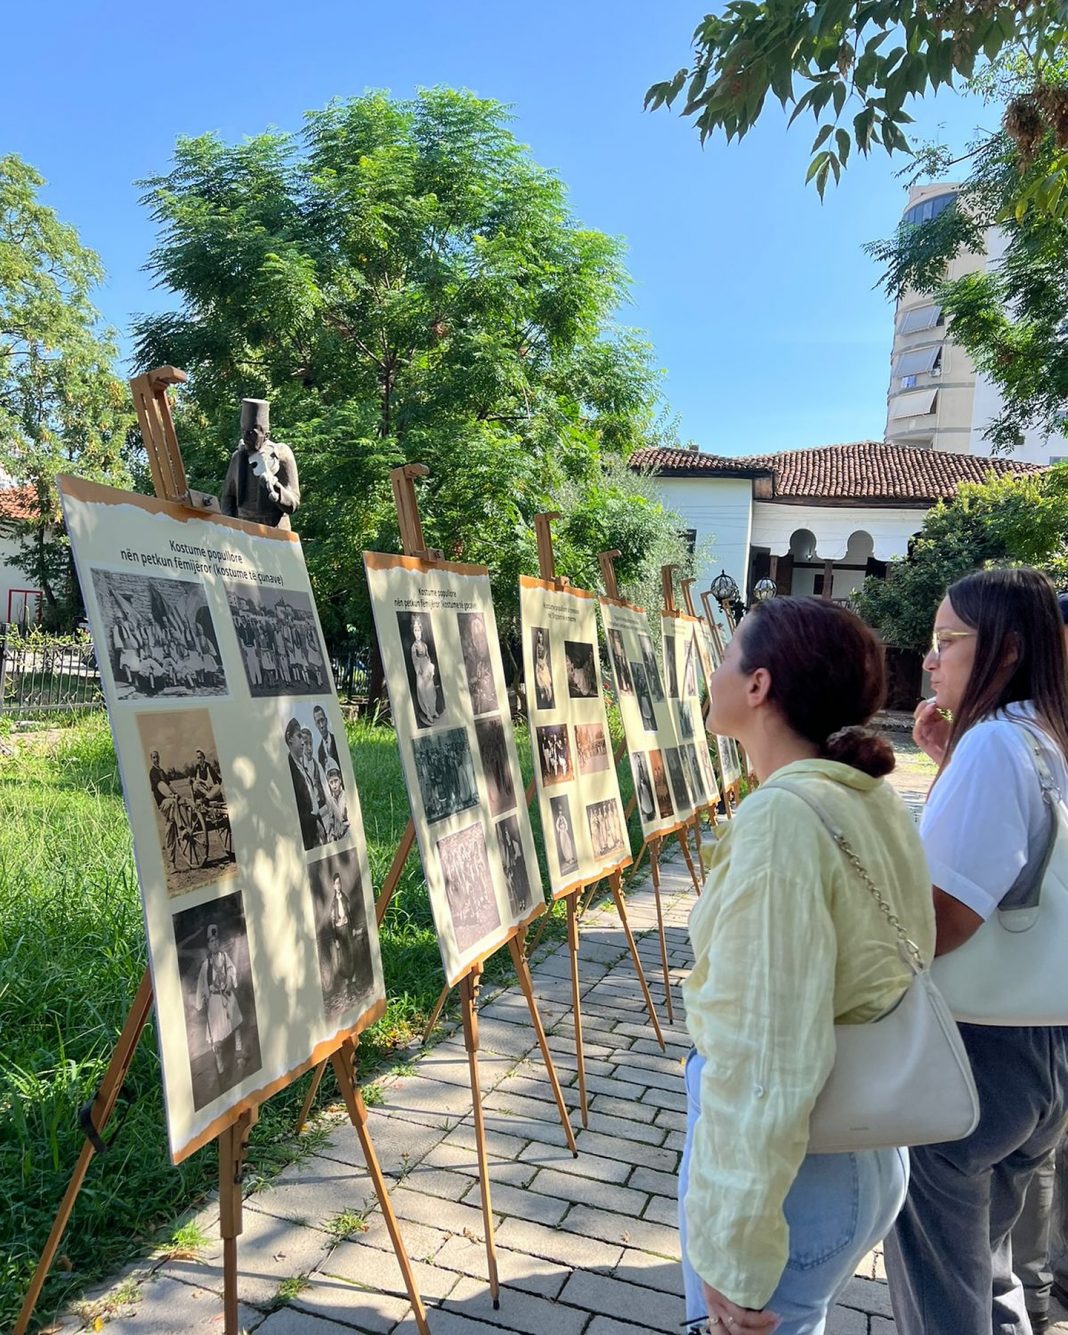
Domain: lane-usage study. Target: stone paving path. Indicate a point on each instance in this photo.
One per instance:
(586, 1246)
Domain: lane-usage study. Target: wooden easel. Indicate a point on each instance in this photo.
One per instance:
(713, 626)
(169, 479)
(547, 571)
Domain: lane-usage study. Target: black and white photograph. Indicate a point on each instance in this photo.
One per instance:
(606, 830)
(316, 773)
(591, 747)
(219, 1002)
(684, 719)
(660, 784)
(346, 969)
(160, 637)
(619, 663)
(645, 700)
(446, 773)
(474, 645)
(652, 670)
(185, 779)
(468, 885)
(493, 749)
(694, 776)
(678, 778)
(564, 833)
(643, 785)
(520, 895)
(689, 669)
(581, 670)
(554, 754)
(421, 663)
(544, 691)
(672, 670)
(280, 642)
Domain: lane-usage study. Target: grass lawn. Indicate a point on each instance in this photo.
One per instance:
(72, 951)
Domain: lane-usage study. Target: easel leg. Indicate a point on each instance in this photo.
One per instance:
(576, 1002)
(309, 1098)
(654, 863)
(469, 995)
(344, 1063)
(621, 908)
(232, 1145)
(515, 945)
(684, 844)
(99, 1113)
(435, 1014)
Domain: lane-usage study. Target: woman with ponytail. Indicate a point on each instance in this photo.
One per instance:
(787, 943)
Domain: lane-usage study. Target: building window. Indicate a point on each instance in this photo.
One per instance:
(908, 381)
(927, 209)
(920, 403)
(920, 317)
(1058, 458)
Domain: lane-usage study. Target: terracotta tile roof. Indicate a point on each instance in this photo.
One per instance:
(19, 503)
(866, 470)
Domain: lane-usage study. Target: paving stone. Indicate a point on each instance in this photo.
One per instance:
(677, 1052)
(670, 1120)
(508, 1100)
(629, 1129)
(843, 1321)
(499, 1144)
(661, 1157)
(421, 1241)
(610, 1106)
(449, 1216)
(583, 1191)
(436, 1181)
(525, 1128)
(613, 1228)
(506, 1200)
(880, 1326)
(554, 1244)
(519, 1311)
(448, 1064)
(351, 1305)
(868, 1295)
(644, 1307)
(651, 1272)
(668, 1100)
(380, 1272)
(661, 1210)
(313, 1193)
(509, 1040)
(398, 1141)
(676, 1140)
(165, 1306)
(586, 1166)
(514, 1269)
(291, 1322)
(607, 1325)
(446, 1322)
(660, 1184)
(641, 1075)
(461, 1160)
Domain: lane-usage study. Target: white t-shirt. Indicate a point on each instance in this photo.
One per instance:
(985, 816)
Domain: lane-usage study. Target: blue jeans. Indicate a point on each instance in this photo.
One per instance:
(839, 1207)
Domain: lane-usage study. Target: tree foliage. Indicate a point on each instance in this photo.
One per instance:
(62, 408)
(854, 64)
(1005, 520)
(405, 283)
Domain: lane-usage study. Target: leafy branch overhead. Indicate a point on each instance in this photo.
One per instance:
(855, 65)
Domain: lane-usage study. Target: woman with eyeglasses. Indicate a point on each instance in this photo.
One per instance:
(998, 668)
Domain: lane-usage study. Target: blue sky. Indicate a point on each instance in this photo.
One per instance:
(758, 299)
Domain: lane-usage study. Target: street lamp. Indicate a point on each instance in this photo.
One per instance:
(724, 589)
(764, 589)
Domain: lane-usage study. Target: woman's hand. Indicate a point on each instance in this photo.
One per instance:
(725, 1317)
(930, 730)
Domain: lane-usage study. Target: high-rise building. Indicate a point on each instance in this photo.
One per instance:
(937, 400)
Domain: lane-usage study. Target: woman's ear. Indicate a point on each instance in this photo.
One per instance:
(1013, 650)
(758, 689)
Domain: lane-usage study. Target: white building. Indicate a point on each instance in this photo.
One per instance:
(18, 602)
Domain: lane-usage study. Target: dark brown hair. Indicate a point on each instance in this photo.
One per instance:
(1019, 649)
(827, 676)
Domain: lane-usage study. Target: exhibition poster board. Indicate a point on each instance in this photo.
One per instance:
(682, 672)
(247, 830)
(648, 721)
(730, 767)
(578, 790)
(442, 660)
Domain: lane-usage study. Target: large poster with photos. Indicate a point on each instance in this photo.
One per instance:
(442, 661)
(238, 782)
(682, 668)
(578, 791)
(729, 764)
(660, 789)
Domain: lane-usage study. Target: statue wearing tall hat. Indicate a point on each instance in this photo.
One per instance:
(261, 483)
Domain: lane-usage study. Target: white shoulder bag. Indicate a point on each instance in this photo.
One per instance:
(1014, 970)
(903, 1079)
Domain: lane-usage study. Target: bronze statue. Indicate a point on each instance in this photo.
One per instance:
(261, 483)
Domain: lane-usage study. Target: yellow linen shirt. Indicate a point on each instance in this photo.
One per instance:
(787, 941)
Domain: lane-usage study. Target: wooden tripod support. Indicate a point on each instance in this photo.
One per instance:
(169, 479)
(717, 638)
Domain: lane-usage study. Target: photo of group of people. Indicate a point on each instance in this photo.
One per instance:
(316, 773)
(159, 635)
(342, 941)
(468, 881)
(606, 828)
(554, 753)
(474, 645)
(446, 773)
(591, 747)
(281, 648)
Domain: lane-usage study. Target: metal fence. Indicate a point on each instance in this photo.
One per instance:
(46, 672)
(352, 672)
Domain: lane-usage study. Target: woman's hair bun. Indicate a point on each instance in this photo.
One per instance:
(863, 749)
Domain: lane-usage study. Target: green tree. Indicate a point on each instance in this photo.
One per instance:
(62, 408)
(1010, 520)
(405, 283)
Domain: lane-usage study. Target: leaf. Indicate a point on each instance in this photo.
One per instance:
(817, 165)
(822, 137)
(844, 144)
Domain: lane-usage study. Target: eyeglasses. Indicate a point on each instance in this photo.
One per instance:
(941, 638)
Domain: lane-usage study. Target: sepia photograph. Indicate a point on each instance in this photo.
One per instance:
(678, 778)
(554, 753)
(468, 886)
(660, 784)
(520, 894)
(644, 699)
(493, 750)
(684, 719)
(474, 645)
(694, 776)
(280, 643)
(219, 1003)
(689, 669)
(652, 670)
(563, 830)
(446, 773)
(581, 670)
(346, 969)
(643, 786)
(160, 638)
(185, 779)
(670, 667)
(315, 770)
(421, 663)
(591, 747)
(606, 828)
(544, 692)
(619, 662)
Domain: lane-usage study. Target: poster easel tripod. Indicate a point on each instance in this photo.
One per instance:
(170, 483)
(729, 789)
